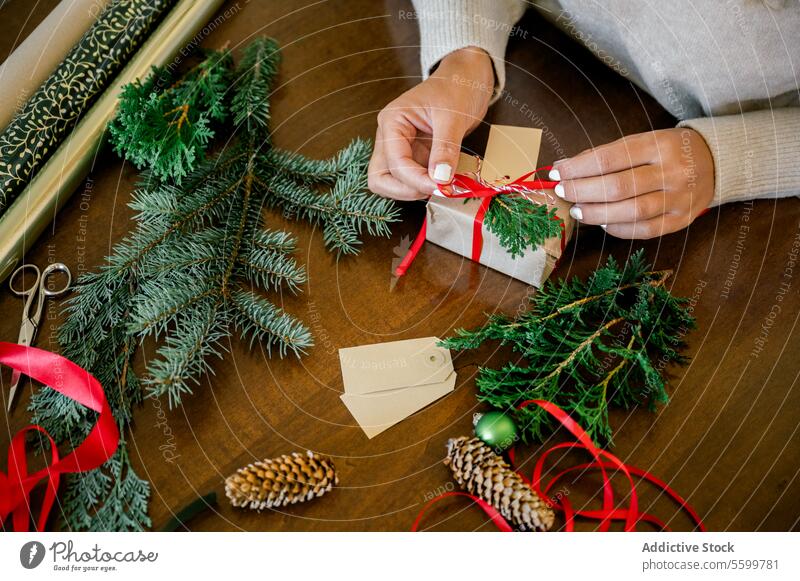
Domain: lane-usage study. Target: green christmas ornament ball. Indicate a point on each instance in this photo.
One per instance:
(497, 430)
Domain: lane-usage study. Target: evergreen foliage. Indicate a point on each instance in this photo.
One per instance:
(194, 270)
(165, 129)
(585, 346)
(520, 224)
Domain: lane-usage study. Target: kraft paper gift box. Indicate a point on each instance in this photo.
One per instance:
(511, 152)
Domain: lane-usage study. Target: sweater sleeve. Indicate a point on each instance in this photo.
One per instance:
(449, 25)
(756, 154)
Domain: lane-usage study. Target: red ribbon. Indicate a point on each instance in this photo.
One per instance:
(78, 384)
(603, 461)
(473, 188)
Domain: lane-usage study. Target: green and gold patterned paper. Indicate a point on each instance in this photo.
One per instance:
(52, 112)
(36, 206)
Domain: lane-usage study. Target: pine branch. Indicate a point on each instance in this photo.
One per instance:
(318, 171)
(586, 346)
(185, 355)
(271, 269)
(344, 212)
(264, 322)
(193, 269)
(254, 77)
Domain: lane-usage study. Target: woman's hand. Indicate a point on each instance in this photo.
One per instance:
(419, 133)
(641, 186)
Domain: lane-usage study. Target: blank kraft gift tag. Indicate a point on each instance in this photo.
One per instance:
(387, 382)
(511, 152)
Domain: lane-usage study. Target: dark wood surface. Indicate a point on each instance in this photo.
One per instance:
(727, 440)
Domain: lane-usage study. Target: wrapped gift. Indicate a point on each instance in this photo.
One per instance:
(455, 215)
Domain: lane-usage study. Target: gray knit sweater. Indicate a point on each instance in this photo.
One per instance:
(730, 69)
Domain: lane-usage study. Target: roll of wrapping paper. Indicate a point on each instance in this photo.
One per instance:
(42, 51)
(88, 69)
(36, 207)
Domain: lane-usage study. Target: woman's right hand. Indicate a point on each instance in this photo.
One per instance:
(419, 133)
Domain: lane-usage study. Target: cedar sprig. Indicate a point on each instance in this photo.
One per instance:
(201, 261)
(165, 125)
(586, 347)
(521, 224)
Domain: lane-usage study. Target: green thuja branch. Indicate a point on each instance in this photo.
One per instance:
(201, 259)
(520, 224)
(164, 125)
(585, 347)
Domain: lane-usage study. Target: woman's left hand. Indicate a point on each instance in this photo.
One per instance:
(641, 186)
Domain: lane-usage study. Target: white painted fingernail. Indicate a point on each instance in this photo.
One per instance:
(604, 226)
(554, 175)
(576, 213)
(559, 190)
(437, 192)
(442, 172)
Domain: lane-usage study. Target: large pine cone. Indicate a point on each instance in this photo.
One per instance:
(281, 481)
(484, 474)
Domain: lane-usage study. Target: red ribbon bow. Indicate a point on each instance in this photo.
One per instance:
(78, 384)
(602, 461)
(465, 186)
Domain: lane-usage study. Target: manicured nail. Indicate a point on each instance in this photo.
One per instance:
(604, 226)
(554, 175)
(437, 192)
(559, 190)
(442, 172)
(576, 213)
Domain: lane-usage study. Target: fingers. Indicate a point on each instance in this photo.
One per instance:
(646, 229)
(613, 187)
(448, 131)
(382, 182)
(638, 186)
(635, 209)
(625, 153)
(397, 135)
(421, 149)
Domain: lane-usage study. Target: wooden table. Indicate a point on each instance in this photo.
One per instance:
(727, 440)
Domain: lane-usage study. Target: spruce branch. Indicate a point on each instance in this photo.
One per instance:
(200, 259)
(585, 347)
(255, 73)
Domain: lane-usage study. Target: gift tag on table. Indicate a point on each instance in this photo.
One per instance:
(377, 412)
(387, 382)
(386, 366)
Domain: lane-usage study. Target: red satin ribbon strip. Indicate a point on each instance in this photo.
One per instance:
(491, 511)
(65, 377)
(603, 461)
(413, 250)
(476, 189)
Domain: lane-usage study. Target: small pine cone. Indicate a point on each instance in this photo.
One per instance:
(484, 474)
(281, 481)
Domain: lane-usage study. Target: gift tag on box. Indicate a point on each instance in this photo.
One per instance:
(387, 382)
(510, 152)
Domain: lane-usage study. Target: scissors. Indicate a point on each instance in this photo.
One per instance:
(37, 293)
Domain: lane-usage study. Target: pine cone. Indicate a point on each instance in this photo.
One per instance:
(481, 472)
(281, 481)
